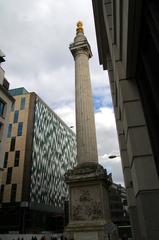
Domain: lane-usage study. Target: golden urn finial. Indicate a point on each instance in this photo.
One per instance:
(79, 28)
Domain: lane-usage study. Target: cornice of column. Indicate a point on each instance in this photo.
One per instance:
(83, 48)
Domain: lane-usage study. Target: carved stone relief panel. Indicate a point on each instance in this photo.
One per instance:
(86, 203)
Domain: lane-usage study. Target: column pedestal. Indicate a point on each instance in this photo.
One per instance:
(89, 205)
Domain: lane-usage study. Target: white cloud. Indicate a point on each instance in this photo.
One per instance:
(106, 138)
(67, 113)
(108, 143)
(35, 36)
(113, 166)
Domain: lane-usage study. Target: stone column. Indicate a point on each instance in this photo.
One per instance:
(85, 125)
(89, 213)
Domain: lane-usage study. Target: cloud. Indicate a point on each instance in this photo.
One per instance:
(108, 143)
(113, 166)
(67, 113)
(35, 37)
(36, 34)
(106, 138)
(106, 131)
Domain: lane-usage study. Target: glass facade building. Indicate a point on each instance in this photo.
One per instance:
(39, 149)
(54, 152)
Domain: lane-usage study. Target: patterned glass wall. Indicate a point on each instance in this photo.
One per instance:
(54, 152)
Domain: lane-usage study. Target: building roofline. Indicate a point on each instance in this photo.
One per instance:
(46, 106)
(102, 40)
(106, 47)
(17, 89)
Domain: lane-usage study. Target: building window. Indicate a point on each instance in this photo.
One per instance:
(16, 159)
(20, 129)
(2, 105)
(1, 131)
(16, 114)
(9, 130)
(12, 144)
(1, 193)
(12, 107)
(125, 203)
(9, 175)
(5, 160)
(13, 193)
(22, 104)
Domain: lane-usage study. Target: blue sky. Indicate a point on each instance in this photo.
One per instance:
(101, 101)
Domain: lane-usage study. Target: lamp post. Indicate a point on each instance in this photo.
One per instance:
(113, 156)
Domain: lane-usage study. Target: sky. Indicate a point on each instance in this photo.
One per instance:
(35, 37)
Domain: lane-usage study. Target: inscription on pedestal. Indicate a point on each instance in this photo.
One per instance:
(86, 204)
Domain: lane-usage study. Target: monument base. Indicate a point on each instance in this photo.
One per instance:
(89, 211)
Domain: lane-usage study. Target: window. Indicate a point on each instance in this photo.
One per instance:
(9, 175)
(16, 159)
(20, 129)
(16, 114)
(125, 202)
(5, 160)
(2, 105)
(22, 104)
(13, 192)
(1, 130)
(12, 107)
(9, 130)
(12, 144)
(1, 193)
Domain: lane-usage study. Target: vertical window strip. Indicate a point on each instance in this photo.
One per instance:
(5, 160)
(22, 104)
(12, 144)
(2, 105)
(16, 115)
(12, 107)
(9, 175)
(9, 130)
(20, 128)
(1, 193)
(13, 193)
(16, 159)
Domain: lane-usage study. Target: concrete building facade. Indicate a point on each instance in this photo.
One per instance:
(39, 149)
(6, 101)
(127, 38)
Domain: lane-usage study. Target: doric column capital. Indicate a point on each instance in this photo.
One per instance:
(80, 48)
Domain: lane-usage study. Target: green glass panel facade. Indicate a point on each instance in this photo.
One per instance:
(54, 152)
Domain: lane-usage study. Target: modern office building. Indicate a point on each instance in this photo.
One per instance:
(39, 149)
(128, 45)
(6, 101)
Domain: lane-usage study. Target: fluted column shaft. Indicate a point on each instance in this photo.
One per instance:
(85, 124)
